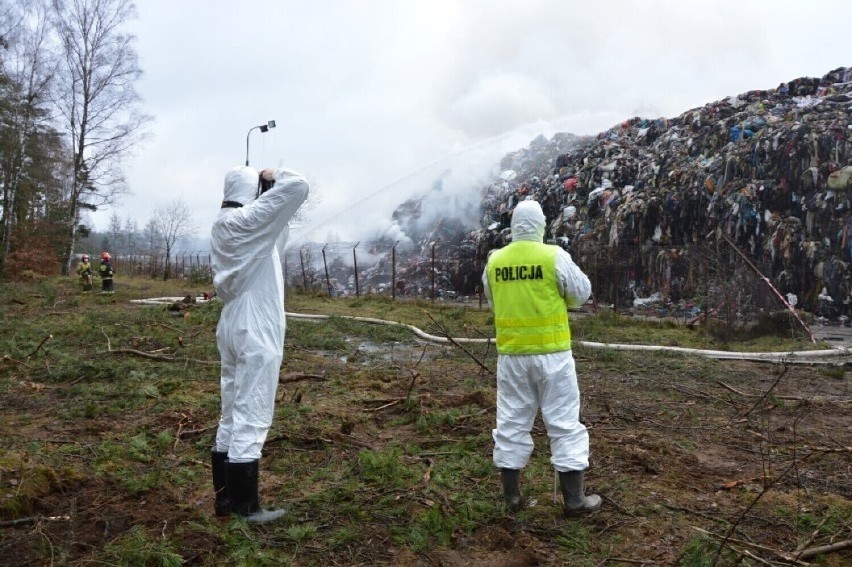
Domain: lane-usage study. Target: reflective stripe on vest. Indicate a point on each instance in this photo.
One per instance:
(529, 314)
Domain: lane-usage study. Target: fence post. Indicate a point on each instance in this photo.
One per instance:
(706, 302)
(478, 264)
(393, 271)
(325, 265)
(613, 276)
(433, 268)
(355, 261)
(302, 263)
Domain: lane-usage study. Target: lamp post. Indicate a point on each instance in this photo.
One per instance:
(262, 128)
(355, 262)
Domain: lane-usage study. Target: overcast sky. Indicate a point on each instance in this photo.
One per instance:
(374, 98)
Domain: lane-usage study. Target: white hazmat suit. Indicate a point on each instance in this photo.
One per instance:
(248, 237)
(547, 381)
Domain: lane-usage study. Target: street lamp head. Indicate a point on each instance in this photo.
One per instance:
(267, 126)
(262, 128)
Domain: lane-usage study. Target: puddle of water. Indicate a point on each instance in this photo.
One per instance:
(371, 347)
(367, 352)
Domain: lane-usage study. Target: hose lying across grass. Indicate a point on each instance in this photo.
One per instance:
(834, 356)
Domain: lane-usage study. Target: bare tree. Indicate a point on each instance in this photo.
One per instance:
(97, 100)
(12, 17)
(152, 237)
(131, 235)
(152, 244)
(115, 235)
(173, 221)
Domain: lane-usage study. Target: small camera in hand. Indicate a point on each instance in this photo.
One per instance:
(266, 184)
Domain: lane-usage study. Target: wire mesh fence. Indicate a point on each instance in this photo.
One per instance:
(673, 281)
(436, 271)
(193, 266)
(686, 282)
(714, 278)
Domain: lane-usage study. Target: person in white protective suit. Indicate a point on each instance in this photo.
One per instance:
(530, 286)
(247, 238)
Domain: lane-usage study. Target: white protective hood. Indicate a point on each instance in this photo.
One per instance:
(528, 222)
(241, 184)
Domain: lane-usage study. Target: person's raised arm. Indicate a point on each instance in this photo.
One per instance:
(271, 212)
(574, 286)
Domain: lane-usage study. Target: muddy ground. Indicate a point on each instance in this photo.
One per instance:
(381, 447)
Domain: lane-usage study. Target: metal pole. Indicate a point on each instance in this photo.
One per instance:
(393, 271)
(262, 128)
(355, 261)
(705, 262)
(247, 142)
(304, 277)
(325, 265)
(284, 275)
(479, 289)
(433, 269)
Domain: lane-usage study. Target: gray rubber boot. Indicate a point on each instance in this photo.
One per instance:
(511, 489)
(242, 489)
(219, 462)
(576, 501)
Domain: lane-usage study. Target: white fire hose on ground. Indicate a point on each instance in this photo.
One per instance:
(830, 356)
(834, 356)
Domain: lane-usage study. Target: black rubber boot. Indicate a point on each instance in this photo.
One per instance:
(576, 501)
(242, 490)
(219, 461)
(511, 489)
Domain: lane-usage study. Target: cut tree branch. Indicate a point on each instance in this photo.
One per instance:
(456, 343)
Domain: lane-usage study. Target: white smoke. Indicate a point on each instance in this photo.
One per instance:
(395, 233)
(449, 188)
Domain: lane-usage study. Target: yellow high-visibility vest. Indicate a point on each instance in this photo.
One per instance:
(529, 314)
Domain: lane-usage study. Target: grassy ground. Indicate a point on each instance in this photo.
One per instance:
(380, 448)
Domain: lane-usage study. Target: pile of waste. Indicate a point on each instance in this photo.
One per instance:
(768, 172)
(771, 170)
